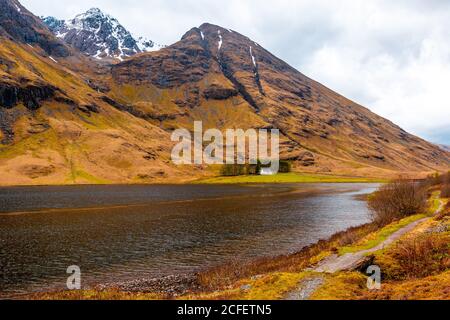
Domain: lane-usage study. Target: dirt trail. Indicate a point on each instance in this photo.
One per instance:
(351, 261)
(348, 262)
(306, 288)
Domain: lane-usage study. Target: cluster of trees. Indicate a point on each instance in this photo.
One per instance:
(232, 170)
(402, 198)
(444, 182)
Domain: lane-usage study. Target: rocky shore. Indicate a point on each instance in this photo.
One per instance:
(172, 286)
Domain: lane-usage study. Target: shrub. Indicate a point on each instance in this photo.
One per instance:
(397, 200)
(445, 213)
(445, 189)
(422, 256)
(232, 170)
(285, 167)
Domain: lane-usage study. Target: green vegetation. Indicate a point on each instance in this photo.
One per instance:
(343, 286)
(288, 178)
(233, 170)
(429, 288)
(375, 238)
(272, 286)
(32, 143)
(83, 175)
(434, 203)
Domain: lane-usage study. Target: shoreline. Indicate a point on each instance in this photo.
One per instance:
(178, 285)
(296, 178)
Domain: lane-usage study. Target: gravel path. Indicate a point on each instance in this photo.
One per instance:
(352, 261)
(306, 288)
(348, 262)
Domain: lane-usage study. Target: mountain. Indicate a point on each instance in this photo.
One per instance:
(445, 147)
(55, 126)
(227, 80)
(19, 24)
(67, 118)
(99, 35)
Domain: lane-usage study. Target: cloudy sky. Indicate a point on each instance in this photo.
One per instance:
(390, 56)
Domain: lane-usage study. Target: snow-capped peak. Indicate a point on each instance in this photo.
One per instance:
(99, 35)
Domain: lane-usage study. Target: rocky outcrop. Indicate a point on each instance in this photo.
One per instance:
(167, 68)
(216, 92)
(303, 158)
(191, 98)
(37, 171)
(31, 95)
(7, 119)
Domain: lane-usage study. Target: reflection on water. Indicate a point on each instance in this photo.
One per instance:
(164, 230)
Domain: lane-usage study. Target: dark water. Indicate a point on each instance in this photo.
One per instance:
(118, 233)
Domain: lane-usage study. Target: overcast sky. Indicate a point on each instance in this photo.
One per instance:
(390, 56)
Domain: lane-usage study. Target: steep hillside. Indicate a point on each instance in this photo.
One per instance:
(54, 124)
(227, 80)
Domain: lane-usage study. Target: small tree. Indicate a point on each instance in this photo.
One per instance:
(285, 167)
(232, 170)
(397, 200)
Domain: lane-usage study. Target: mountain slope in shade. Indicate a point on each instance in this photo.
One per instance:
(99, 35)
(227, 80)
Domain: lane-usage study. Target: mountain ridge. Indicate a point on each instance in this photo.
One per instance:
(99, 35)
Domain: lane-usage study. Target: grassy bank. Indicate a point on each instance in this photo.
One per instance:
(288, 178)
(377, 237)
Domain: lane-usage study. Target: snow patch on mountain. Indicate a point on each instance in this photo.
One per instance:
(220, 40)
(253, 57)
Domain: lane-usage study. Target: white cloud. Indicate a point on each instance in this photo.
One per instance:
(390, 56)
